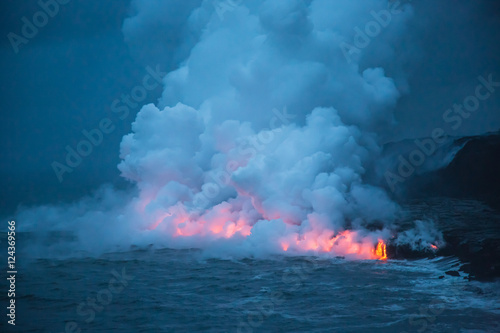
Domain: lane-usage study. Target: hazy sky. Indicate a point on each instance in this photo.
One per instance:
(61, 82)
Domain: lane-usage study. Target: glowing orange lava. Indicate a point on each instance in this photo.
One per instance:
(224, 221)
(434, 247)
(380, 251)
(347, 243)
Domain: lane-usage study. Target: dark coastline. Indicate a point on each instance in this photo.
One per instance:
(471, 235)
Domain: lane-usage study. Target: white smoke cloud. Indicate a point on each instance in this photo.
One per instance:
(213, 164)
(423, 236)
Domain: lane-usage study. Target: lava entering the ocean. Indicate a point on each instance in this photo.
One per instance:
(380, 251)
(217, 223)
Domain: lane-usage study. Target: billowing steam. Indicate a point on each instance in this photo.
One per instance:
(262, 138)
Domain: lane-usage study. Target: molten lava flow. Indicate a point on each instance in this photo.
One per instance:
(380, 251)
(228, 221)
(434, 247)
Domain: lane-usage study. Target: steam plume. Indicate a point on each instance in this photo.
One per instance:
(263, 135)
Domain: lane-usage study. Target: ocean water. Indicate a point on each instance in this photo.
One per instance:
(181, 291)
(167, 290)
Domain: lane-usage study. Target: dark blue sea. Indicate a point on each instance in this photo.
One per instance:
(172, 290)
